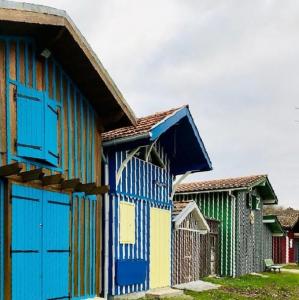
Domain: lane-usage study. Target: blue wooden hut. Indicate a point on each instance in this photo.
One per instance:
(141, 164)
(55, 101)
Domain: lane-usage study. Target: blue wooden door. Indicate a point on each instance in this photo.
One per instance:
(40, 244)
(56, 246)
(26, 243)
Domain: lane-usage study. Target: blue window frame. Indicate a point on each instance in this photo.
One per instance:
(37, 125)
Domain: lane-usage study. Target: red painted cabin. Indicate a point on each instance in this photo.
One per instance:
(286, 248)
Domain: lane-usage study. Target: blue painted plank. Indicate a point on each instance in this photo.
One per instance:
(56, 246)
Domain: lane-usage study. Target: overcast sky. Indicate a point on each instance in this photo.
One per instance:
(236, 63)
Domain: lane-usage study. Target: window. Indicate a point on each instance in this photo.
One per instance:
(37, 125)
(127, 223)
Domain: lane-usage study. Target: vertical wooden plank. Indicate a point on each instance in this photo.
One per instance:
(12, 60)
(98, 218)
(22, 61)
(40, 79)
(13, 118)
(71, 226)
(7, 244)
(88, 266)
(65, 127)
(30, 67)
(75, 247)
(78, 130)
(82, 245)
(50, 78)
(3, 103)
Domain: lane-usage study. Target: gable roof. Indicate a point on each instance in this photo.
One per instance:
(143, 126)
(181, 209)
(177, 130)
(274, 225)
(245, 182)
(53, 29)
(288, 221)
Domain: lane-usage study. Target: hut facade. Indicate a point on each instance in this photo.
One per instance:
(194, 243)
(141, 164)
(55, 97)
(286, 248)
(237, 203)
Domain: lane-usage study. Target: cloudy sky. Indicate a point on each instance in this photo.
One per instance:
(236, 63)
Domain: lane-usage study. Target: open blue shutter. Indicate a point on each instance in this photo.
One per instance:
(51, 132)
(30, 123)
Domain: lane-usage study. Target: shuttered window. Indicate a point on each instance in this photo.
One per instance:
(127, 223)
(37, 125)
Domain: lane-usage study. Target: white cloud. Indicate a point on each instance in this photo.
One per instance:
(236, 62)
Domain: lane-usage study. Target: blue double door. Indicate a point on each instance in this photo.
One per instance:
(40, 248)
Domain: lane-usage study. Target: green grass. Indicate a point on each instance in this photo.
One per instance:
(276, 286)
(292, 266)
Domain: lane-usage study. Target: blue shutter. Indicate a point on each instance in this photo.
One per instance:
(30, 122)
(26, 243)
(51, 132)
(56, 245)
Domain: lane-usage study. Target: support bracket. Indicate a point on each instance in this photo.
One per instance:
(125, 163)
(175, 185)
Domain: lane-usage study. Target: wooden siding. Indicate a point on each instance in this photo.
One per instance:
(79, 145)
(79, 131)
(192, 251)
(240, 241)
(219, 206)
(86, 246)
(146, 186)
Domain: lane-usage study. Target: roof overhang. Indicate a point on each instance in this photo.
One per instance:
(179, 136)
(274, 225)
(266, 191)
(203, 226)
(53, 29)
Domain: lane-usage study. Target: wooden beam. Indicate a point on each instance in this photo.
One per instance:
(52, 179)
(11, 169)
(36, 174)
(86, 187)
(70, 184)
(99, 190)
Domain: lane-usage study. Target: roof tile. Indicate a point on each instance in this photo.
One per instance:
(218, 184)
(143, 125)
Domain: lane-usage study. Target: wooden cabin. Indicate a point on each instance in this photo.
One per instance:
(237, 203)
(272, 231)
(141, 163)
(286, 247)
(194, 243)
(56, 99)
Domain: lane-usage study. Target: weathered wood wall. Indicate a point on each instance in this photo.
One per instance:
(241, 247)
(191, 258)
(79, 147)
(79, 128)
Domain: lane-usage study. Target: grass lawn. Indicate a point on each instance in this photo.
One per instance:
(277, 286)
(293, 266)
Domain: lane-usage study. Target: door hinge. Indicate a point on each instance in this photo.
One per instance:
(15, 94)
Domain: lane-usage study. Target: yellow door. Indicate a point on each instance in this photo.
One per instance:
(160, 251)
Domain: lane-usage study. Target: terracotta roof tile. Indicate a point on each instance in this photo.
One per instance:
(143, 126)
(227, 183)
(178, 206)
